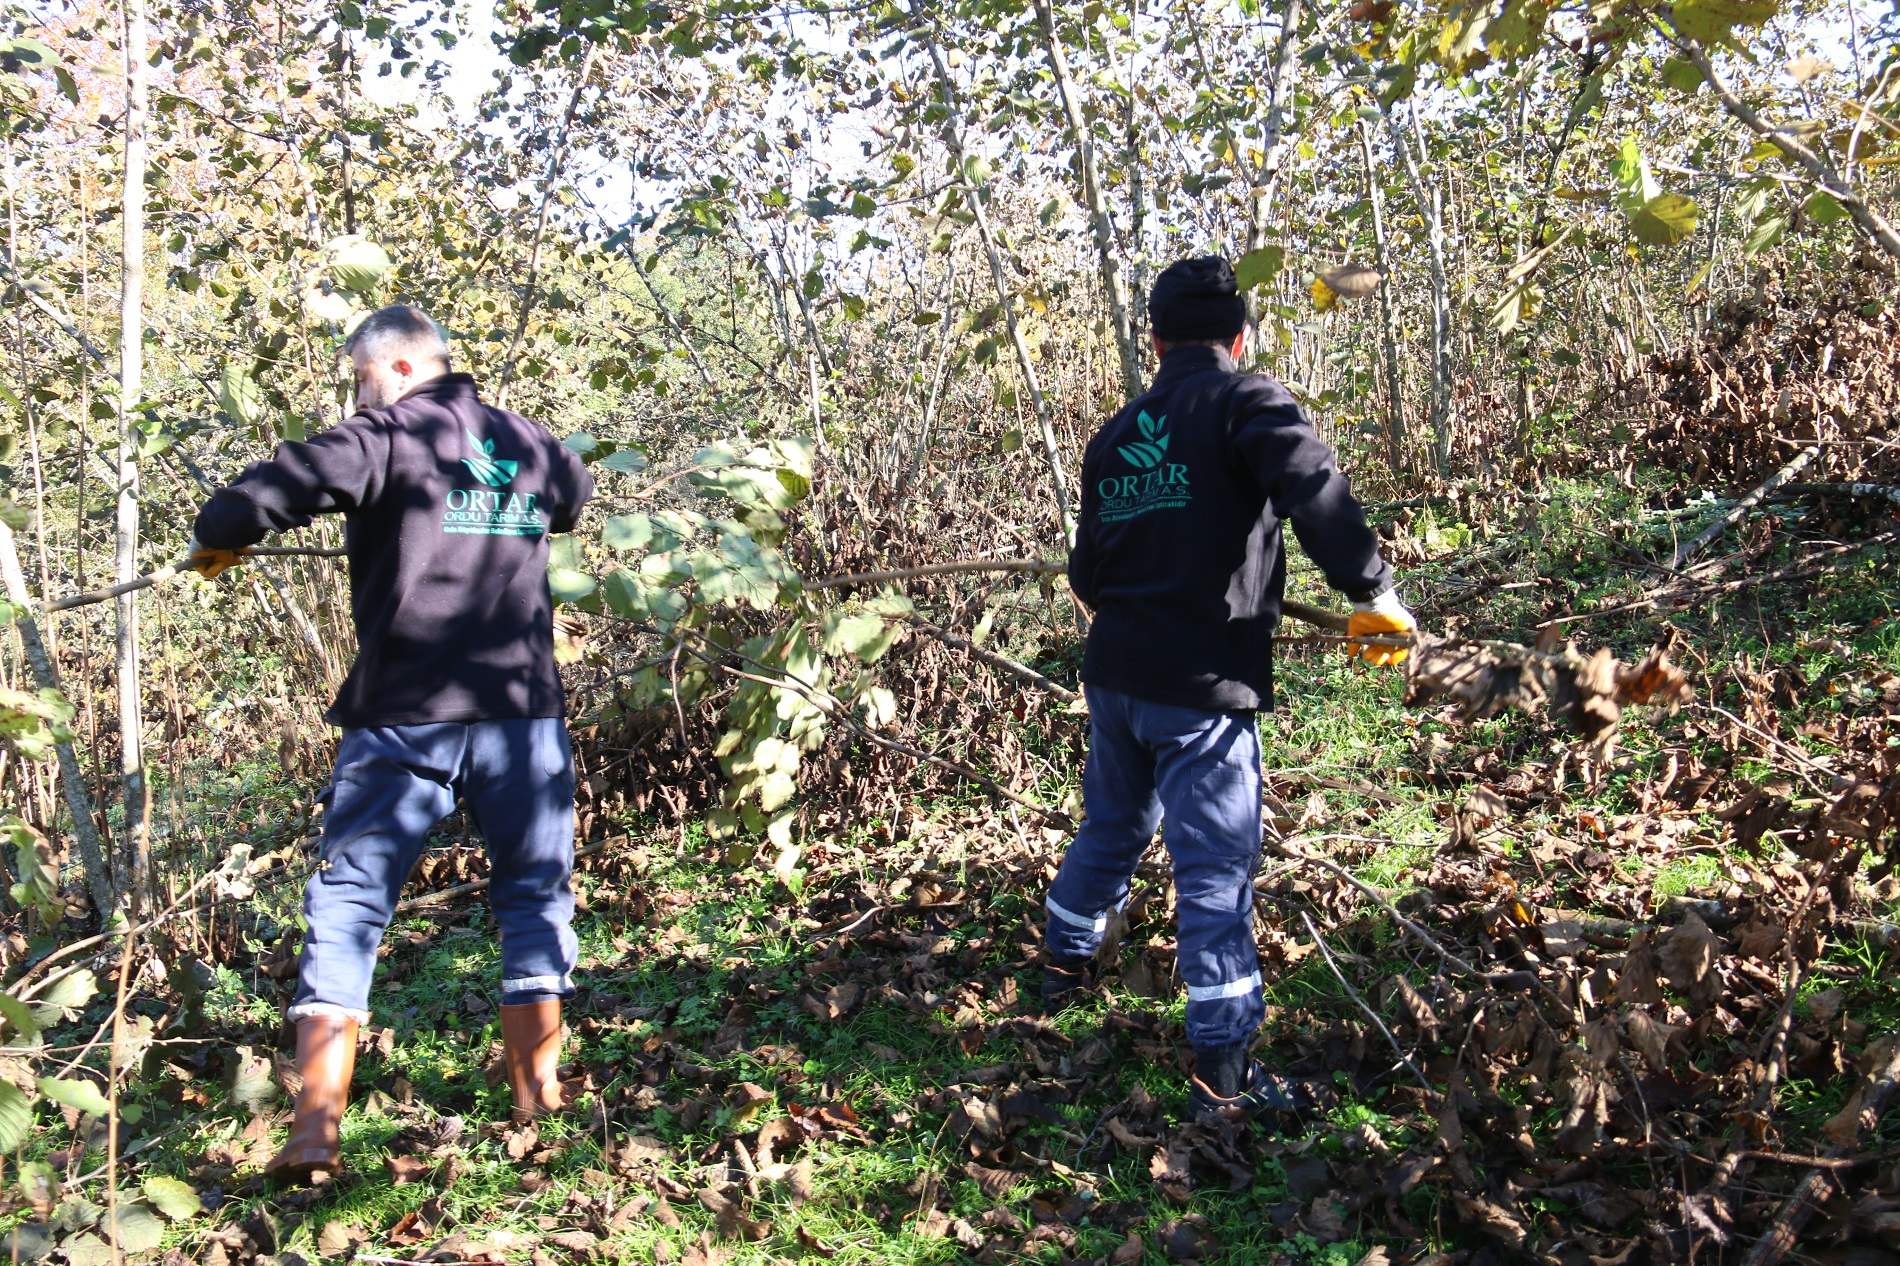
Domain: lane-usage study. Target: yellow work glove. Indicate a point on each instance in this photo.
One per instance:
(1384, 614)
(211, 563)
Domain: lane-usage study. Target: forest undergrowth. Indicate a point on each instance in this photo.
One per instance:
(1588, 922)
(1572, 1009)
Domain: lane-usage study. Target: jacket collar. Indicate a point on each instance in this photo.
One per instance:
(445, 388)
(1192, 358)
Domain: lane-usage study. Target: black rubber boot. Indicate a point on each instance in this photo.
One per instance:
(1229, 1085)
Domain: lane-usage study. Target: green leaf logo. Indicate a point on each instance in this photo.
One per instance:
(485, 466)
(1147, 453)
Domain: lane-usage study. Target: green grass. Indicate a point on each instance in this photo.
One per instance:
(1687, 876)
(884, 1059)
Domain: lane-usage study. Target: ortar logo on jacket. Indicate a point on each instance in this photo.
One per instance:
(1162, 485)
(492, 509)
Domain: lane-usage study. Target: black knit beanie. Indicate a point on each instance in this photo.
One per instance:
(1196, 299)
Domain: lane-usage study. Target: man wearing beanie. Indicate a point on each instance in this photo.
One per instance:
(1178, 550)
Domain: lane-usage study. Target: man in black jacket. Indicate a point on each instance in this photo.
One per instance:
(447, 503)
(1178, 550)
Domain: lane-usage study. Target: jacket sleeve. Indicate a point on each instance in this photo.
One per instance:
(343, 469)
(1084, 556)
(573, 489)
(1303, 481)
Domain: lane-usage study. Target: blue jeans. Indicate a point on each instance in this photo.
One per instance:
(392, 785)
(1200, 771)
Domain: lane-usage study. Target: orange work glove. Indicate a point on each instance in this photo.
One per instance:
(211, 563)
(1384, 614)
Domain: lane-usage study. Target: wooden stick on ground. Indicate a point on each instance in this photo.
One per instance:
(1876, 492)
(1812, 1191)
(1741, 508)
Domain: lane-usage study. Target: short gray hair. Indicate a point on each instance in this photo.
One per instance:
(395, 329)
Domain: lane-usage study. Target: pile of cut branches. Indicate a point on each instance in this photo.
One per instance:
(1764, 385)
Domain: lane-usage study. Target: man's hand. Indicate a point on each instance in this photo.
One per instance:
(1384, 614)
(211, 563)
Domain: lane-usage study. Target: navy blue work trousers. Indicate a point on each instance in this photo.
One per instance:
(1199, 771)
(393, 784)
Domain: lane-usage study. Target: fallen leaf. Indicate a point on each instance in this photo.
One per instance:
(338, 1238)
(1184, 1240)
(574, 1241)
(994, 1183)
(407, 1169)
(1687, 956)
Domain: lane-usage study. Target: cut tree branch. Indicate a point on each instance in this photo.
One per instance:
(1020, 671)
(1741, 508)
(172, 571)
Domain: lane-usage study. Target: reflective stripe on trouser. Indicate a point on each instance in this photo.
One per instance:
(392, 785)
(1200, 771)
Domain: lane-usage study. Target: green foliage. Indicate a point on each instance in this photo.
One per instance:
(36, 884)
(173, 1198)
(16, 1117)
(240, 397)
(1715, 21)
(1683, 75)
(703, 578)
(33, 723)
(1636, 185)
(1257, 268)
(1664, 220)
(356, 263)
(75, 1093)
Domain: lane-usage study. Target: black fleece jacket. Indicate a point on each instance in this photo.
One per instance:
(447, 505)
(1178, 547)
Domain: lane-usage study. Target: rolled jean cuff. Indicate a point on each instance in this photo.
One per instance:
(307, 1010)
(523, 989)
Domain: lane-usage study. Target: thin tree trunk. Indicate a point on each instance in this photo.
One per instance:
(556, 161)
(1099, 221)
(133, 839)
(953, 136)
(1431, 203)
(907, 477)
(1133, 164)
(806, 317)
(1286, 66)
(92, 853)
(666, 315)
(1388, 338)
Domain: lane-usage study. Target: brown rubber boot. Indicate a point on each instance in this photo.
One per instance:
(531, 1051)
(326, 1059)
